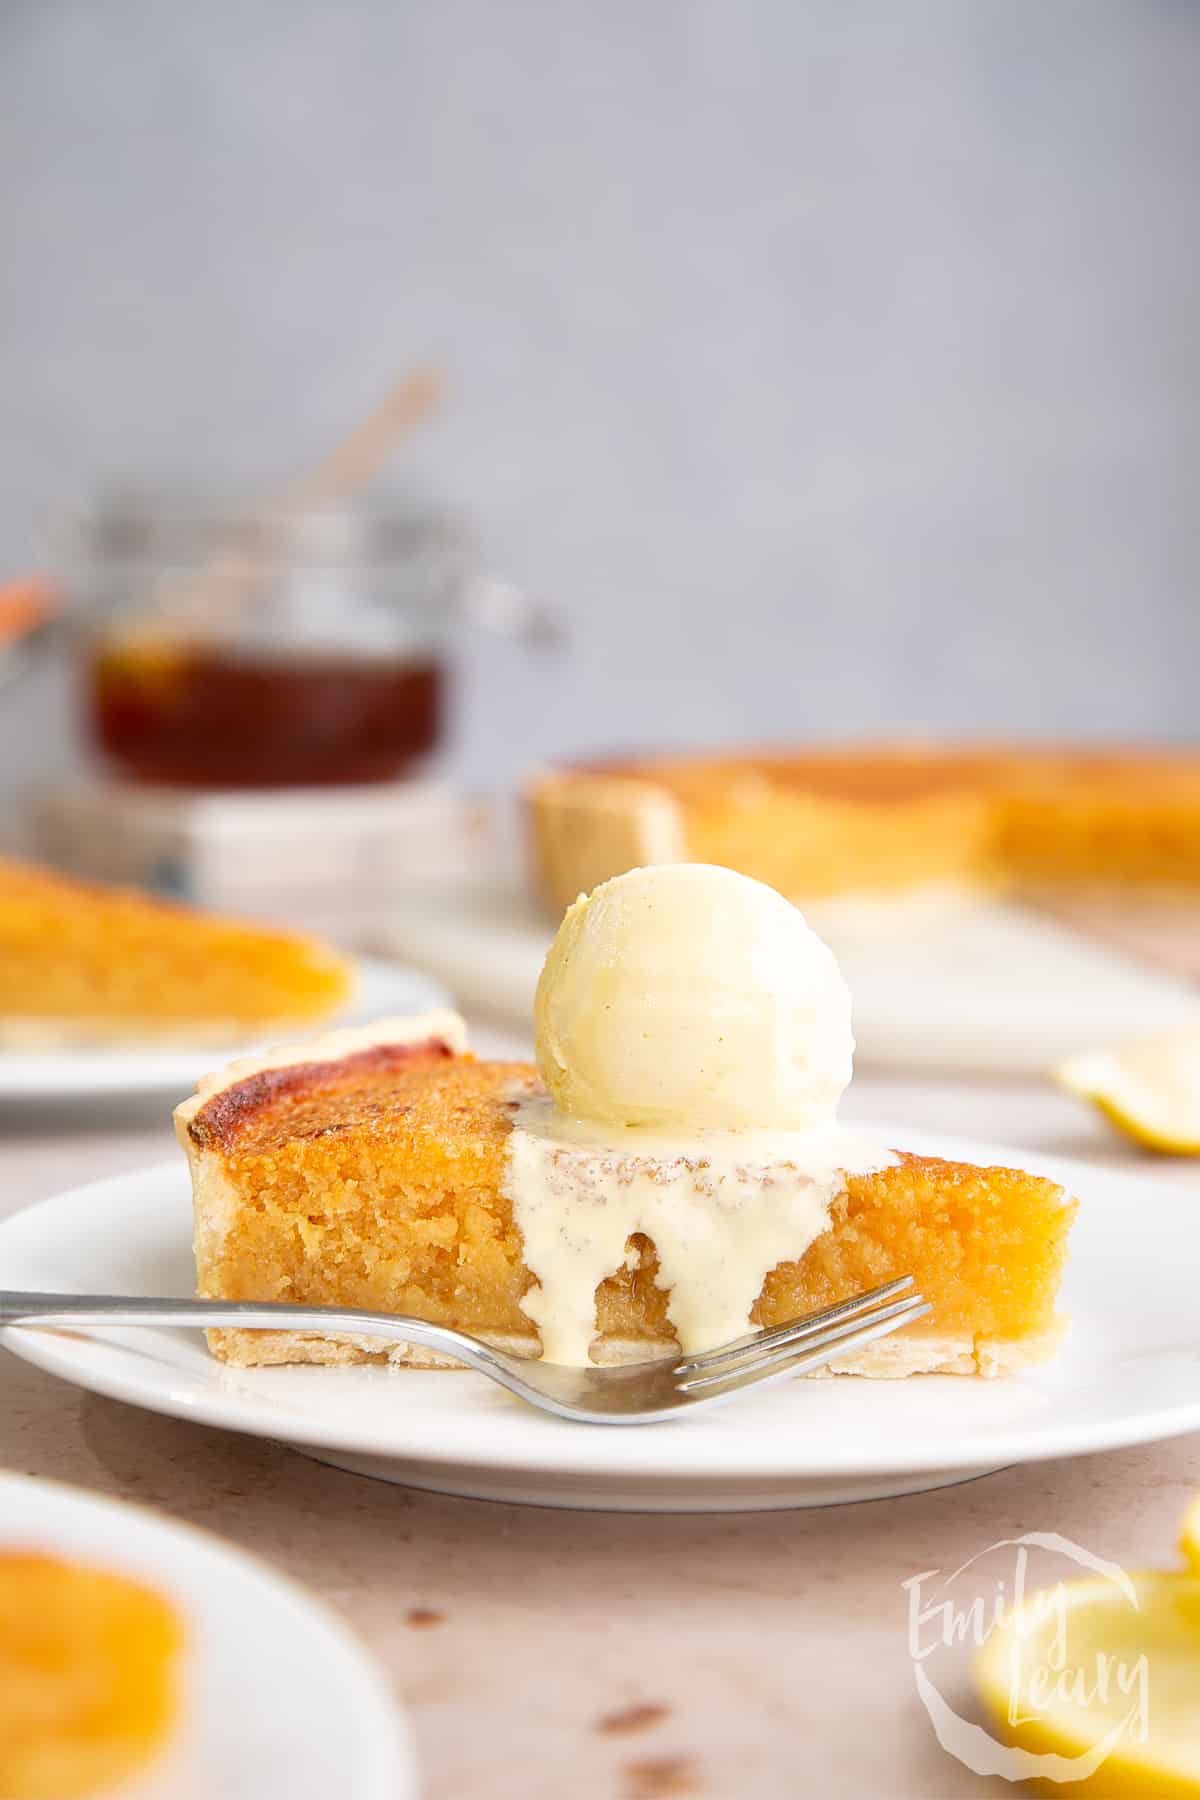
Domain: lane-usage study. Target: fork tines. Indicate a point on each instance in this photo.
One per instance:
(847, 1326)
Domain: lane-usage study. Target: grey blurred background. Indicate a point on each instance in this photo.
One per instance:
(830, 363)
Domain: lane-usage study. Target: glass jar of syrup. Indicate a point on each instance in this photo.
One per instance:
(293, 651)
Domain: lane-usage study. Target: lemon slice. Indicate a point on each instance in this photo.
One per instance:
(1098, 1684)
(1150, 1090)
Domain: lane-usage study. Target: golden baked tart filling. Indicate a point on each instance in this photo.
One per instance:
(377, 1179)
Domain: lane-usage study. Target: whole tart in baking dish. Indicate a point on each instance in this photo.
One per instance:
(876, 818)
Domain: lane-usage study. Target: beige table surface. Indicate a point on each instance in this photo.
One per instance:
(545, 1653)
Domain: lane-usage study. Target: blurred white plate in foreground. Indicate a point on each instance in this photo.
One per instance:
(278, 1697)
(174, 1069)
(1129, 1372)
(941, 982)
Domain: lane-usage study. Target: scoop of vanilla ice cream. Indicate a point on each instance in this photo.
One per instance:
(691, 997)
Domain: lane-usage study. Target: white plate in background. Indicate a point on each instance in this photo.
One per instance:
(279, 1699)
(105, 1070)
(942, 982)
(1129, 1372)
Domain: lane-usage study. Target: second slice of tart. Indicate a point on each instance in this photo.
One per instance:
(82, 963)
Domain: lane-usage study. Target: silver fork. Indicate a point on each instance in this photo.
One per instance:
(627, 1394)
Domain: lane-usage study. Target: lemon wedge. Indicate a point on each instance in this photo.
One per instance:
(1099, 1685)
(1150, 1090)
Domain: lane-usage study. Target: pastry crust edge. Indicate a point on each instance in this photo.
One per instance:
(908, 1352)
(439, 1027)
(215, 1198)
(587, 827)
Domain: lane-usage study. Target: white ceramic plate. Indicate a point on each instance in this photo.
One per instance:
(278, 1697)
(92, 1074)
(1129, 1373)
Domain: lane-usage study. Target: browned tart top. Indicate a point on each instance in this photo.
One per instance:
(386, 1088)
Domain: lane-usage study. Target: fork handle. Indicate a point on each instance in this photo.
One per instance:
(249, 1315)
